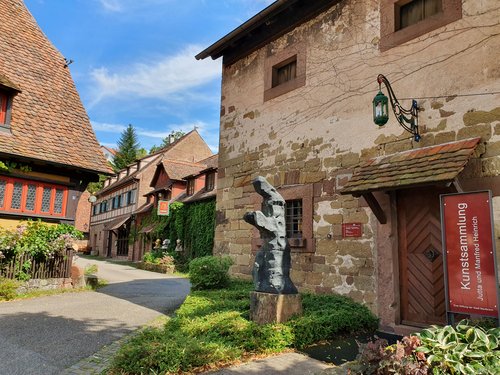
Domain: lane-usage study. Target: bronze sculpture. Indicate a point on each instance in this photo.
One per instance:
(271, 272)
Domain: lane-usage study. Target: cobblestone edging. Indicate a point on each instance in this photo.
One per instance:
(98, 362)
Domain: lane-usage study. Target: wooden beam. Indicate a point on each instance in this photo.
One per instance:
(375, 206)
(457, 185)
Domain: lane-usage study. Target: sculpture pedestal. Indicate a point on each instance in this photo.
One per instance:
(274, 308)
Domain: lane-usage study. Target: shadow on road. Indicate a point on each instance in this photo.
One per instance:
(162, 295)
(41, 343)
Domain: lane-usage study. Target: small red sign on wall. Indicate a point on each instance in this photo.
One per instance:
(352, 230)
(469, 253)
(163, 208)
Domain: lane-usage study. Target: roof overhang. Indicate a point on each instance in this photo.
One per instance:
(116, 223)
(8, 84)
(158, 190)
(434, 165)
(274, 21)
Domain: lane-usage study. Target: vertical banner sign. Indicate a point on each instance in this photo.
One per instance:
(163, 208)
(469, 247)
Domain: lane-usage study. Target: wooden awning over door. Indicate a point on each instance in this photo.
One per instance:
(424, 166)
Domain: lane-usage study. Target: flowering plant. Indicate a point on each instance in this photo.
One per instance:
(38, 239)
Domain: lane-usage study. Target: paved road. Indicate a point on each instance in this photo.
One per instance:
(45, 335)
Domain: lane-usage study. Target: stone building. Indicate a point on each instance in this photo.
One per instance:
(298, 82)
(125, 195)
(48, 150)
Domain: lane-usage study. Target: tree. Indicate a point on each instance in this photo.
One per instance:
(169, 139)
(94, 187)
(128, 147)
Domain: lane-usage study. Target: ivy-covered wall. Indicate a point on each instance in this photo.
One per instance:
(192, 223)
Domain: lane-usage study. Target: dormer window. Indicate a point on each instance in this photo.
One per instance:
(7, 91)
(190, 187)
(210, 181)
(5, 102)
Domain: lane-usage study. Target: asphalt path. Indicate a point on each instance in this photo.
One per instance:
(45, 335)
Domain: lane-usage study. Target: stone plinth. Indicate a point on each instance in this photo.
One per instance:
(274, 308)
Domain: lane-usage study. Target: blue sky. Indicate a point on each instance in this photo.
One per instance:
(134, 61)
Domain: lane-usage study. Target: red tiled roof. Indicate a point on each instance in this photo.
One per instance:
(112, 151)
(177, 170)
(48, 120)
(198, 196)
(211, 162)
(426, 165)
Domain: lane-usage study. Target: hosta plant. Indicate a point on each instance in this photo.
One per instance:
(466, 349)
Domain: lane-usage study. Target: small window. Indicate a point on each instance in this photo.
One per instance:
(190, 187)
(293, 218)
(58, 201)
(118, 201)
(4, 105)
(285, 71)
(416, 11)
(3, 185)
(95, 210)
(31, 197)
(131, 197)
(210, 181)
(404, 20)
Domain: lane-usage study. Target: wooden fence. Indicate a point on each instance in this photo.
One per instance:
(57, 267)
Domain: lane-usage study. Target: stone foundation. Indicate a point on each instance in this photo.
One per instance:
(274, 308)
(45, 284)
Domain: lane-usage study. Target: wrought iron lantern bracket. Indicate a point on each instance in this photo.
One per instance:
(407, 118)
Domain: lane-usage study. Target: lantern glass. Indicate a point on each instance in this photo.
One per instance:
(380, 109)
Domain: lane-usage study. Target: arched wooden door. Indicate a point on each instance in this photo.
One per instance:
(421, 272)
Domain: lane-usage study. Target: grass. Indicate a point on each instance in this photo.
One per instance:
(212, 329)
(44, 293)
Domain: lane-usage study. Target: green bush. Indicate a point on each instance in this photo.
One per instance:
(90, 269)
(209, 272)
(8, 289)
(212, 328)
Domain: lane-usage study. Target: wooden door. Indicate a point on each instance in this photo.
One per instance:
(421, 257)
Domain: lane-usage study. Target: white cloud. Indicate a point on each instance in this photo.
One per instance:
(111, 5)
(165, 78)
(149, 133)
(108, 128)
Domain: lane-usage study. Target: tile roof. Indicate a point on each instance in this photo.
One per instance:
(423, 166)
(4, 81)
(166, 152)
(177, 170)
(124, 180)
(48, 120)
(198, 196)
(112, 151)
(211, 162)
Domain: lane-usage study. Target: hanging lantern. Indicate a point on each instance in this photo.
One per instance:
(380, 109)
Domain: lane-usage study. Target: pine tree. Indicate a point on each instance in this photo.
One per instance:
(128, 147)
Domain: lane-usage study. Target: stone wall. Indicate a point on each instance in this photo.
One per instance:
(45, 284)
(314, 135)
